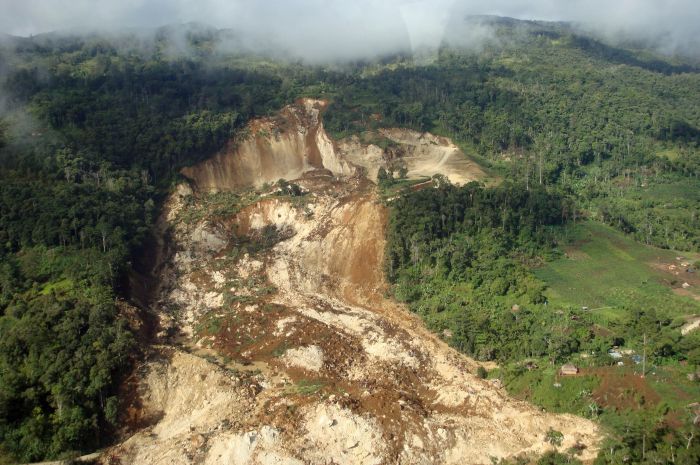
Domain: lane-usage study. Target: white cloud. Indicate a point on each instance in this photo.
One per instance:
(352, 28)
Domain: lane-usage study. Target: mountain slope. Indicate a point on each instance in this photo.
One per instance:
(309, 359)
(99, 127)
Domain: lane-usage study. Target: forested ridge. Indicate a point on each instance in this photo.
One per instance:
(94, 131)
(92, 140)
(556, 113)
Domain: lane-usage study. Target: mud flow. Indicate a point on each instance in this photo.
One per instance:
(277, 343)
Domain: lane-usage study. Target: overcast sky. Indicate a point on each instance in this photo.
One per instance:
(355, 25)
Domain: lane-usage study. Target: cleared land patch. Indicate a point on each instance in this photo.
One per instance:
(605, 271)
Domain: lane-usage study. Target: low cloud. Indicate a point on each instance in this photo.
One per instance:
(340, 29)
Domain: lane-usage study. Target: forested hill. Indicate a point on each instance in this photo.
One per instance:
(94, 130)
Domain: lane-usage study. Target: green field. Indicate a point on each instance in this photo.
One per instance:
(571, 394)
(604, 270)
(621, 282)
(680, 190)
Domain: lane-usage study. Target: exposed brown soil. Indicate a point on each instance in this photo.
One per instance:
(677, 273)
(620, 389)
(294, 354)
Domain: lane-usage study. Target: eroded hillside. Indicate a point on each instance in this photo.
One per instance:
(285, 146)
(278, 343)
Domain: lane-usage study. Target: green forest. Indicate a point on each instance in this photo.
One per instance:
(93, 132)
(468, 260)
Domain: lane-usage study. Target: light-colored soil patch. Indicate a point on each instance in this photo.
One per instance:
(427, 155)
(309, 358)
(422, 154)
(253, 447)
(691, 325)
(185, 398)
(337, 432)
(681, 275)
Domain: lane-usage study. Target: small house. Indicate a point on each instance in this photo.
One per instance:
(530, 365)
(568, 369)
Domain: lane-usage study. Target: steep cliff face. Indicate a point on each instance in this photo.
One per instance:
(285, 146)
(294, 142)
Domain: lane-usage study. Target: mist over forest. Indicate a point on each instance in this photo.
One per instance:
(328, 30)
(508, 191)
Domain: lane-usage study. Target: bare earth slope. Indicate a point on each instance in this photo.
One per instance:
(291, 354)
(422, 154)
(286, 146)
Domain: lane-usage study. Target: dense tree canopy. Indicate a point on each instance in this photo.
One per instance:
(94, 131)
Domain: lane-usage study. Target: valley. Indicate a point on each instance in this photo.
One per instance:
(213, 251)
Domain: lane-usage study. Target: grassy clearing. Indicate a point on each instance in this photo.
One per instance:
(209, 325)
(57, 286)
(398, 186)
(673, 386)
(681, 190)
(216, 205)
(306, 387)
(547, 389)
(610, 273)
(671, 154)
(606, 271)
(611, 394)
